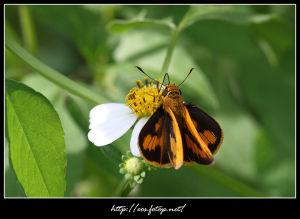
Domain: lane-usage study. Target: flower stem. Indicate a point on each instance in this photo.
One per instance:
(174, 38)
(123, 189)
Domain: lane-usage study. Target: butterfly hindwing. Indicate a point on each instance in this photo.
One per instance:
(152, 140)
(194, 146)
(208, 128)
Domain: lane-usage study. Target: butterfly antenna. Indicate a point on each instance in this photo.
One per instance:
(164, 80)
(165, 77)
(187, 76)
(144, 72)
(152, 78)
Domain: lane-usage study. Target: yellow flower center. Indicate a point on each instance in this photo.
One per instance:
(144, 100)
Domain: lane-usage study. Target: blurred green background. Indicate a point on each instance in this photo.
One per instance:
(244, 77)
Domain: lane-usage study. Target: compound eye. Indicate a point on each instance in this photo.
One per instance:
(179, 91)
(165, 92)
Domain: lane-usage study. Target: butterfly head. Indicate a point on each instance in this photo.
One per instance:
(172, 91)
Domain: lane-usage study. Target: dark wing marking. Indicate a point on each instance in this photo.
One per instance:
(208, 128)
(174, 139)
(194, 146)
(152, 140)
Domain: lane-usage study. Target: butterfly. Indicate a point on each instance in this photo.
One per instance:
(179, 133)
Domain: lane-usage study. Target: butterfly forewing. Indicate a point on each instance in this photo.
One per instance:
(174, 139)
(152, 140)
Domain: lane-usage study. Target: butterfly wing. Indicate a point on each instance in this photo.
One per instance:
(153, 140)
(195, 146)
(208, 128)
(174, 139)
(164, 141)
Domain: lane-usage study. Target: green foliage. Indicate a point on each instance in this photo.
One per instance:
(225, 13)
(123, 26)
(36, 141)
(244, 60)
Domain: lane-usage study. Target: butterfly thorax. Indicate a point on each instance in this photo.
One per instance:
(172, 100)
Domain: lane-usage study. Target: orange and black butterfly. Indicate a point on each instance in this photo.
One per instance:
(179, 133)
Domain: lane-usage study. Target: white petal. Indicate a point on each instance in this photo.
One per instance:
(108, 122)
(135, 135)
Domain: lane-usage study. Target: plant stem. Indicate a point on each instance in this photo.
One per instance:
(28, 30)
(50, 74)
(175, 35)
(174, 38)
(123, 189)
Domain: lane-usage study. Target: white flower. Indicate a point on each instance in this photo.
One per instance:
(110, 121)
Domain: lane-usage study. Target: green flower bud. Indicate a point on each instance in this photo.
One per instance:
(134, 166)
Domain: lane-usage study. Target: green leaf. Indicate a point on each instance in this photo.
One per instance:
(240, 132)
(227, 181)
(75, 137)
(36, 141)
(121, 26)
(197, 181)
(224, 12)
(12, 186)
